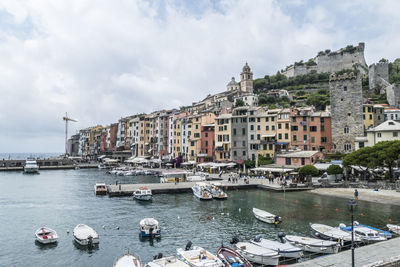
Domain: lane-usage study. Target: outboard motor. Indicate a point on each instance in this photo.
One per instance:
(90, 241)
(188, 245)
(277, 219)
(234, 240)
(151, 231)
(281, 235)
(257, 238)
(158, 256)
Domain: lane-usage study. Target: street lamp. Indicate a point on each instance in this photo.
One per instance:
(352, 204)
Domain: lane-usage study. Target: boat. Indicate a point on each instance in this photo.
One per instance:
(198, 257)
(216, 191)
(170, 261)
(381, 232)
(267, 217)
(149, 227)
(31, 166)
(45, 235)
(327, 232)
(200, 191)
(366, 235)
(314, 245)
(257, 254)
(286, 250)
(101, 166)
(171, 176)
(232, 258)
(143, 193)
(127, 260)
(85, 235)
(195, 178)
(394, 228)
(100, 189)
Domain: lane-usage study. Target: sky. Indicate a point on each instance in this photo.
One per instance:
(100, 60)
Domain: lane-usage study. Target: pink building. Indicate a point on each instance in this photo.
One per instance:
(207, 143)
(299, 158)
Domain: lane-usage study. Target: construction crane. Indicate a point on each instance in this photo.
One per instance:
(67, 119)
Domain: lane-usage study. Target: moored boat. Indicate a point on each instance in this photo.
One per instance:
(100, 189)
(381, 232)
(200, 191)
(267, 217)
(258, 254)
(394, 228)
(366, 235)
(198, 257)
(216, 191)
(170, 261)
(143, 193)
(127, 260)
(313, 245)
(232, 258)
(31, 166)
(85, 235)
(45, 235)
(149, 227)
(327, 232)
(286, 250)
(172, 176)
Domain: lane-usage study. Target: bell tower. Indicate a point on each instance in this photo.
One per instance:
(246, 80)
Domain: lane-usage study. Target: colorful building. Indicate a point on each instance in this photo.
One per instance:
(223, 137)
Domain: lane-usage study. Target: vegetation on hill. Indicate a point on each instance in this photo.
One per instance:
(319, 99)
(394, 71)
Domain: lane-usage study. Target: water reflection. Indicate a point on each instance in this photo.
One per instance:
(41, 246)
(89, 249)
(150, 240)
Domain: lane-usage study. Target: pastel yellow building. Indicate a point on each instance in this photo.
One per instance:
(223, 137)
(266, 132)
(283, 129)
(373, 115)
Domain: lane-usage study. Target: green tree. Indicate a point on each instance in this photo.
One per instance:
(334, 170)
(264, 160)
(319, 101)
(264, 99)
(308, 170)
(239, 103)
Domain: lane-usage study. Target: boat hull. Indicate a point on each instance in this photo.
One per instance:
(260, 259)
(142, 197)
(31, 170)
(223, 253)
(86, 242)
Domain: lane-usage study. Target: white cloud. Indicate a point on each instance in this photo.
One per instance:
(100, 60)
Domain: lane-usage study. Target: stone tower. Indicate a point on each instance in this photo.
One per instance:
(246, 80)
(232, 85)
(378, 75)
(346, 111)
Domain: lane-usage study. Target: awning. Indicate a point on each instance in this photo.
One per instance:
(282, 143)
(268, 135)
(271, 169)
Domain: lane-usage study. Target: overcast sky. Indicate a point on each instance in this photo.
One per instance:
(100, 60)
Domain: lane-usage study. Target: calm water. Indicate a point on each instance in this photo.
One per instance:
(63, 199)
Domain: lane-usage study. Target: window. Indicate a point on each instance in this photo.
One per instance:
(294, 138)
(295, 128)
(361, 144)
(192, 153)
(345, 88)
(252, 136)
(346, 130)
(271, 146)
(304, 118)
(206, 143)
(363, 116)
(234, 143)
(304, 127)
(322, 119)
(379, 134)
(305, 147)
(258, 127)
(286, 136)
(286, 125)
(273, 127)
(192, 143)
(288, 161)
(251, 127)
(244, 153)
(312, 118)
(220, 155)
(279, 136)
(347, 147)
(323, 139)
(243, 131)
(234, 131)
(258, 137)
(312, 139)
(303, 161)
(266, 119)
(395, 134)
(235, 153)
(267, 128)
(305, 137)
(313, 128)
(258, 119)
(293, 119)
(279, 126)
(370, 116)
(243, 143)
(264, 146)
(197, 126)
(322, 128)
(272, 118)
(206, 134)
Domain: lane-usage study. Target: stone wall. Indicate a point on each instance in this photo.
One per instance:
(346, 111)
(378, 75)
(393, 95)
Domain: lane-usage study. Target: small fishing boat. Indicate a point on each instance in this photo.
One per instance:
(45, 235)
(286, 250)
(198, 257)
(127, 260)
(327, 232)
(314, 245)
(267, 217)
(31, 166)
(143, 193)
(170, 261)
(149, 227)
(216, 191)
(381, 232)
(100, 189)
(258, 254)
(200, 191)
(85, 235)
(232, 258)
(366, 235)
(394, 228)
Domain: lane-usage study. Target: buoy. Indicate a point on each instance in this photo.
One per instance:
(362, 214)
(179, 217)
(208, 217)
(227, 214)
(104, 227)
(390, 220)
(281, 198)
(336, 209)
(247, 191)
(67, 232)
(297, 201)
(240, 209)
(316, 205)
(226, 188)
(117, 228)
(213, 218)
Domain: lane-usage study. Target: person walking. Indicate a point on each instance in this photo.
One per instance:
(356, 194)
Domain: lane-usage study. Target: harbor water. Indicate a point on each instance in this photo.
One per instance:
(61, 199)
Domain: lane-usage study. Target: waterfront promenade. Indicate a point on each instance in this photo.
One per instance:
(182, 187)
(380, 254)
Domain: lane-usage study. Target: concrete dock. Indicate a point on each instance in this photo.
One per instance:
(384, 253)
(121, 190)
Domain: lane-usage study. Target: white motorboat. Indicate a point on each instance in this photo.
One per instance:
(216, 191)
(171, 176)
(46, 235)
(327, 232)
(366, 235)
(286, 250)
(313, 245)
(143, 193)
(149, 227)
(267, 217)
(31, 166)
(127, 260)
(101, 166)
(195, 178)
(232, 258)
(200, 191)
(170, 261)
(100, 189)
(198, 257)
(85, 235)
(394, 228)
(258, 254)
